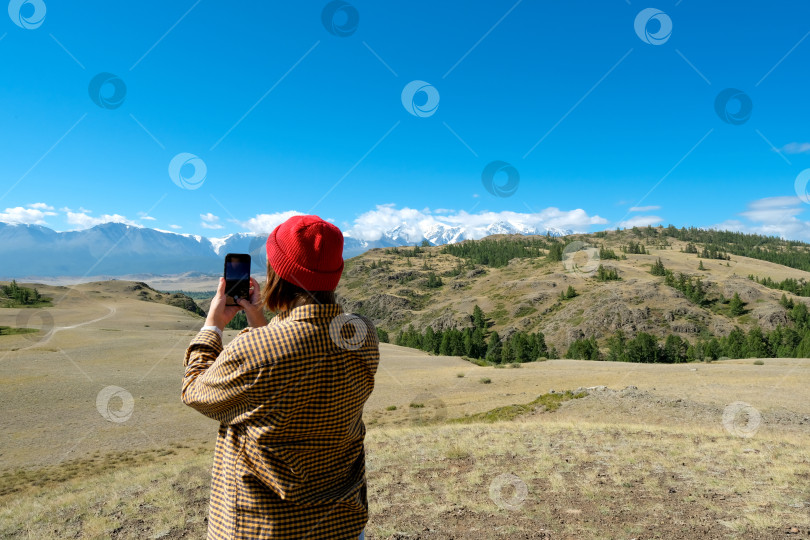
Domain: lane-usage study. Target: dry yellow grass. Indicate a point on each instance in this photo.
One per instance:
(573, 479)
(656, 460)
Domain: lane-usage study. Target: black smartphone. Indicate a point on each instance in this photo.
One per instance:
(237, 277)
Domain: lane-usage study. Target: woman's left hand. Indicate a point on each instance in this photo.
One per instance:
(220, 314)
(254, 311)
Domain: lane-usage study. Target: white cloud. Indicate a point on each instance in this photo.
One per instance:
(84, 221)
(175, 227)
(28, 216)
(41, 206)
(265, 223)
(210, 221)
(414, 223)
(796, 148)
(640, 221)
(643, 208)
(771, 216)
(145, 216)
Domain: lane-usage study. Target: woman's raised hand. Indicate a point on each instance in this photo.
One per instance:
(254, 311)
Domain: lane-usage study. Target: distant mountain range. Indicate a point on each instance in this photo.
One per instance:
(116, 249)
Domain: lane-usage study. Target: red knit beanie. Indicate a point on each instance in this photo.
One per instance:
(308, 252)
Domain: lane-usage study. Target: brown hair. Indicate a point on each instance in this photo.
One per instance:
(279, 294)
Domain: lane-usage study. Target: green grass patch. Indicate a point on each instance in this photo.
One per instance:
(546, 402)
(523, 311)
(12, 331)
(480, 362)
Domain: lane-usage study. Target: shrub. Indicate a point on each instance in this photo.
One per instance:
(460, 375)
(759, 363)
(485, 380)
(416, 405)
(391, 408)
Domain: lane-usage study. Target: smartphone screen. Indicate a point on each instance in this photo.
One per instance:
(237, 277)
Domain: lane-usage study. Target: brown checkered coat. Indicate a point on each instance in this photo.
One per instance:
(289, 460)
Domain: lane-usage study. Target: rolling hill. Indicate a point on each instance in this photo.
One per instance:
(393, 286)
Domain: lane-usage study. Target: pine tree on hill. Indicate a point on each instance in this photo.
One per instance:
(479, 320)
(736, 306)
(658, 268)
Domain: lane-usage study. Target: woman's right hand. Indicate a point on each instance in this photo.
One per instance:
(254, 311)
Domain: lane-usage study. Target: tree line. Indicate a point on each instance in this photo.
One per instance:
(782, 342)
(799, 287)
(18, 295)
(498, 253)
(478, 343)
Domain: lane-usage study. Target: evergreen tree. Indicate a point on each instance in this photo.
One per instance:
(616, 347)
(675, 349)
(429, 340)
(479, 320)
(799, 316)
(605, 254)
(569, 293)
(756, 344)
(734, 344)
(507, 355)
(433, 281)
(446, 347)
(494, 348)
(643, 348)
(736, 306)
(478, 344)
(712, 349)
(606, 274)
(658, 268)
(803, 348)
(555, 252)
(584, 349)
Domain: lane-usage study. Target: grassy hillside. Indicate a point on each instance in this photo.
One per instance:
(541, 478)
(397, 287)
(454, 450)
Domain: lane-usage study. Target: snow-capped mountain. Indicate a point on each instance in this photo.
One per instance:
(116, 249)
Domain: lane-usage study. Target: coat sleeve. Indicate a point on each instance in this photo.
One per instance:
(217, 383)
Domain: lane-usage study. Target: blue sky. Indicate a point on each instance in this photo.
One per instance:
(605, 126)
